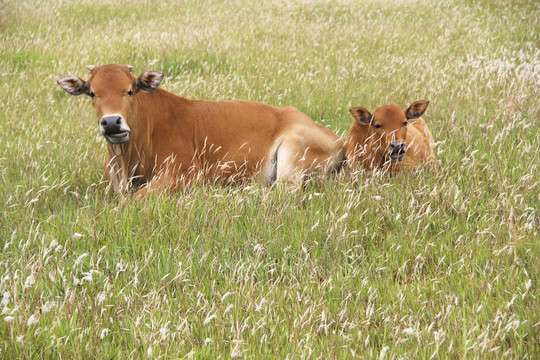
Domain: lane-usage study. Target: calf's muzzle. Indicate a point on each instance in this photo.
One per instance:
(397, 150)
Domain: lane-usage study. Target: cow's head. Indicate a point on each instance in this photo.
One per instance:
(113, 90)
(388, 127)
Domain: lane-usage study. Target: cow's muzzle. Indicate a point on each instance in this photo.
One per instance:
(114, 128)
(397, 150)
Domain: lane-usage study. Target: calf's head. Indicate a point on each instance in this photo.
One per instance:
(113, 90)
(387, 127)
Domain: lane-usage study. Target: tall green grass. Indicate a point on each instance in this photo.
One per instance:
(433, 264)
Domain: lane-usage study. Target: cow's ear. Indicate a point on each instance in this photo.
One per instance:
(148, 81)
(74, 85)
(416, 109)
(361, 115)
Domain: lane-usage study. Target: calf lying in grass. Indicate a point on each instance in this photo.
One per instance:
(390, 138)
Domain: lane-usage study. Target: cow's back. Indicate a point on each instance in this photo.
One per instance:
(234, 139)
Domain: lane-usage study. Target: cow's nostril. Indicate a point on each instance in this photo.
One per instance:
(103, 123)
(118, 121)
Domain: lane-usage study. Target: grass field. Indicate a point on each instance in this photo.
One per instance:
(433, 264)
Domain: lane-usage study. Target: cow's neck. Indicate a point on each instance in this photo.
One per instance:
(131, 161)
(126, 165)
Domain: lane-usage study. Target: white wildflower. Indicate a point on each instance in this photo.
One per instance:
(5, 298)
(30, 280)
(258, 249)
(511, 301)
(32, 320)
(48, 306)
(102, 296)
(163, 331)
(226, 295)
(209, 318)
(237, 351)
(383, 352)
(80, 258)
(88, 277)
(408, 331)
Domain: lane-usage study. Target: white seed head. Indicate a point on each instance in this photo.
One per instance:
(48, 306)
(32, 320)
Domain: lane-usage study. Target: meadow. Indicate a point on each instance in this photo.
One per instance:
(437, 263)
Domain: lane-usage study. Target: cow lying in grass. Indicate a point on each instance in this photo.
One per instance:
(158, 141)
(390, 138)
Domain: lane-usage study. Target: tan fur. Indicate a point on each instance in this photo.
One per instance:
(366, 147)
(177, 141)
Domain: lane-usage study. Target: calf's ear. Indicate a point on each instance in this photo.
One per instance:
(416, 109)
(73, 85)
(361, 115)
(148, 81)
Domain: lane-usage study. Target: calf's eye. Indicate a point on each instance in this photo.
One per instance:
(377, 126)
(405, 123)
(130, 92)
(91, 94)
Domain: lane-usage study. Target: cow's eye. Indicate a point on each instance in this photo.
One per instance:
(130, 92)
(91, 94)
(378, 126)
(405, 123)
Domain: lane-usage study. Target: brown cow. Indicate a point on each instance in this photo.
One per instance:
(158, 141)
(390, 138)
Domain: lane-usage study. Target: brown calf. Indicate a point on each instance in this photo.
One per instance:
(390, 138)
(158, 141)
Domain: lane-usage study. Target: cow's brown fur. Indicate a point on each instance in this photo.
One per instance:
(175, 141)
(367, 143)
